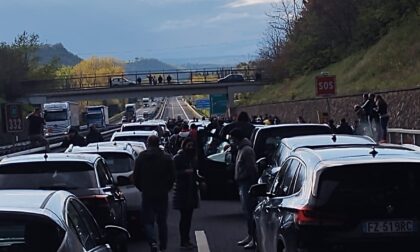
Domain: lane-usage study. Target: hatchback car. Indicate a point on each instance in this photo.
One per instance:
(50, 221)
(342, 198)
(232, 78)
(85, 175)
(120, 159)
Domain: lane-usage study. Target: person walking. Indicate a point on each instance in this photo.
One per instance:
(160, 79)
(246, 174)
(186, 189)
(154, 176)
(73, 138)
(168, 79)
(36, 129)
(344, 128)
(382, 110)
(94, 136)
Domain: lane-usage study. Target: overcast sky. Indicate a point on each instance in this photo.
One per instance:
(140, 28)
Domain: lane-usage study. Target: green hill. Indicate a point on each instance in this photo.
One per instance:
(46, 53)
(145, 65)
(392, 63)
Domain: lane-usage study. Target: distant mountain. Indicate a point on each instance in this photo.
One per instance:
(46, 53)
(210, 62)
(146, 65)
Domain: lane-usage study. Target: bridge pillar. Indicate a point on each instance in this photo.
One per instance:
(230, 103)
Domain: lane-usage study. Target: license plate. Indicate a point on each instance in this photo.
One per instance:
(391, 226)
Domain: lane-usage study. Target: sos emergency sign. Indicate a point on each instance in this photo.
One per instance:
(325, 85)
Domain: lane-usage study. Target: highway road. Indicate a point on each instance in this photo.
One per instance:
(177, 106)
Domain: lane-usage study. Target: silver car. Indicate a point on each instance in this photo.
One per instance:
(41, 220)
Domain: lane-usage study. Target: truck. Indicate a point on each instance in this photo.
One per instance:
(97, 115)
(130, 112)
(60, 117)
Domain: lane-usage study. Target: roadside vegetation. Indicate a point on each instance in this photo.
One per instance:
(369, 45)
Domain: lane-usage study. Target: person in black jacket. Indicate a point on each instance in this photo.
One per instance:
(243, 123)
(73, 138)
(154, 175)
(94, 136)
(186, 188)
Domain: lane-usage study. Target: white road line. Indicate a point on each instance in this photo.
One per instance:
(183, 110)
(173, 111)
(201, 239)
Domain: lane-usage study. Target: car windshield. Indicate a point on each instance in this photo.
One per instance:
(94, 116)
(47, 175)
(370, 186)
(28, 232)
(52, 116)
(134, 138)
(118, 162)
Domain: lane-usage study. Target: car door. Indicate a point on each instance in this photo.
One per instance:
(116, 198)
(83, 225)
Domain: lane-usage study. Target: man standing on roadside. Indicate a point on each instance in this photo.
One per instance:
(36, 129)
(246, 174)
(154, 176)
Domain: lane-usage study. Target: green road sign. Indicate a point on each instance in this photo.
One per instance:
(218, 104)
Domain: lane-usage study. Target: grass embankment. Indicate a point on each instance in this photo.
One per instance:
(392, 63)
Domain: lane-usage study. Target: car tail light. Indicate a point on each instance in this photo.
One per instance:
(315, 217)
(96, 200)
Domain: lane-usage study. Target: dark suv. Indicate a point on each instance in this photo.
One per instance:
(342, 198)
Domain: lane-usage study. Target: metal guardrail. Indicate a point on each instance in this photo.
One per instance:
(404, 136)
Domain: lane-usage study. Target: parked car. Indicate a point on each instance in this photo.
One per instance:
(120, 81)
(232, 78)
(134, 136)
(344, 198)
(50, 221)
(143, 126)
(288, 145)
(120, 159)
(85, 175)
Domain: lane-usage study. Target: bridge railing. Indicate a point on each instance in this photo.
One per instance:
(139, 78)
(404, 136)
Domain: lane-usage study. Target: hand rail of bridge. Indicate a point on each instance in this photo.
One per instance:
(202, 76)
(404, 136)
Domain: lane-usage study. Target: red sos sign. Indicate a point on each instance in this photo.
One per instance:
(325, 85)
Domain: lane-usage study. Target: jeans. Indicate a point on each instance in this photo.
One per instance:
(155, 209)
(248, 205)
(185, 224)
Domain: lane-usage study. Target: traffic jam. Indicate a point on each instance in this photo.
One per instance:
(301, 187)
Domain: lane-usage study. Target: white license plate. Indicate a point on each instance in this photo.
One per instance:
(391, 226)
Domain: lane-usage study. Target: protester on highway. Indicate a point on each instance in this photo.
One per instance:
(243, 123)
(160, 79)
(300, 119)
(94, 136)
(382, 110)
(186, 189)
(174, 144)
(193, 131)
(154, 176)
(344, 128)
(246, 174)
(168, 79)
(36, 129)
(332, 126)
(73, 138)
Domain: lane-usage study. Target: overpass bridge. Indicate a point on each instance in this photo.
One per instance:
(186, 82)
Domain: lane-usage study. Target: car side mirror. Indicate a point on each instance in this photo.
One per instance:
(116, 234)
(123, 181)
(262, 164)
(259, 190)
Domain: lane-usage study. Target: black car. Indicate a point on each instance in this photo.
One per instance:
(85, 175)
(341, 198)
(232, 78)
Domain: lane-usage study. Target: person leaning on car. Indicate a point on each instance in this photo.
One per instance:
(154, 176)
(246, 174)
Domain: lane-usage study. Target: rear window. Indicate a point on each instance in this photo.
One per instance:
(47, 175)
(29, 233)
(370, 185)
(134, 138)
(118, 162)
(141, 128)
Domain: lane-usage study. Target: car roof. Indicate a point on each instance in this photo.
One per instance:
(111, 148)
(42, 202)
(52, 157)
(119, 143)
(135, 133)
(311, 141)
(336, 156)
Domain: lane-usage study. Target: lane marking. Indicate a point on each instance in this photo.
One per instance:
(201, 240)
(173, 111)
(183, 110)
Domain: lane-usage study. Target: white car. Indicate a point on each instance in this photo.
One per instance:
(120, 81)
(137, 136)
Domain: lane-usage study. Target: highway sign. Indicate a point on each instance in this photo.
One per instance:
(218, 104)
(202, 103)
(13, 117)
(325, 85)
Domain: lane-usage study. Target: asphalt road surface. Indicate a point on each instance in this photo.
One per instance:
(175, 107)
(221, 221)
